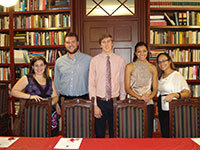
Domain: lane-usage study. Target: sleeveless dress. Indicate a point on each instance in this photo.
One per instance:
(44, 91)
(141, 80)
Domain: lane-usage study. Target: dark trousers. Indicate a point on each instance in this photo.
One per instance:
(164, 120)
(100, 123)
(150, 117)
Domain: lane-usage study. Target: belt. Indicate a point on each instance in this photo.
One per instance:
(111, 99)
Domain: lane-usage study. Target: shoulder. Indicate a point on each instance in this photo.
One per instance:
(178, 74)
(118, 56)
(84, 58)
(85, 55)
(130, 66)
(152, 67)
(60, 58)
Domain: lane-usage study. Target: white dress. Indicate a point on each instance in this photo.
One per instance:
(173, 83)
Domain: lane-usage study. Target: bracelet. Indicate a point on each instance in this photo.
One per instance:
(30, 96)
(179, 95)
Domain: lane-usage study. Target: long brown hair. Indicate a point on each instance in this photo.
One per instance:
(160, 72)
(33, 60)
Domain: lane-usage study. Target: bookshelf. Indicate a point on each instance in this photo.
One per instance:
(34, 27)
(174, 28)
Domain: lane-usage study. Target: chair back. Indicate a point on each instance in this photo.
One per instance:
(4, 116)
(130, 119)
(184, 118)
(77, 118)
(36, 119)
(3, 98)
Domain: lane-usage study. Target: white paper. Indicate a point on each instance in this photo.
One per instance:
(165, 106)
(196, 140)
(7, 141)
(68, 143)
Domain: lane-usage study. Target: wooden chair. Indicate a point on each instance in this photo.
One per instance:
(77, 118)
(130, 119)
(184, 118)
(36, 119)
(4, 116)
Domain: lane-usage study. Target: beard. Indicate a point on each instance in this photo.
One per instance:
(75, 50)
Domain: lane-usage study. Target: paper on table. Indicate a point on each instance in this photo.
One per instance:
(68, 143)
(196, 140)
(7, 141)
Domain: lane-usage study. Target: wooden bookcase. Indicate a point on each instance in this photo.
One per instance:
(181, 41)
(34, 29)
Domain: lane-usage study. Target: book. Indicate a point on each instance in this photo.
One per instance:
(170, 20)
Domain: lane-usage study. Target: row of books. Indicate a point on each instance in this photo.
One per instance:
(21, 71)
(174, 37)
(195, 90)
(24, 56)
(185, 55)
(157, 20)
(42, 21)
(190, 73)
(4, 74)
(178, 55)
(4, 39)
(40, 38)
(4, 22)
(31, 5)
(4, 9)
(156, 125)
(174, 3)
(4, 57)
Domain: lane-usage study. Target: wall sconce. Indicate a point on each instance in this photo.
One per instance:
(8, 3)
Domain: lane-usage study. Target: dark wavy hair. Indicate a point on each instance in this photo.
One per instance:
(138, 45)
(33, 60)
(71, 34)
(160, 72)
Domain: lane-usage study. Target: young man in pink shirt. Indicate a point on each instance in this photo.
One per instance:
(103, 104)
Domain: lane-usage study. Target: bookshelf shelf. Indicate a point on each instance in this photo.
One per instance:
(193, 81)
(43, 12)
(42, 29)
(5, 65)
(4, 13)
(40, 47)
(174, 45)
(4, 47)
(168, 9)
(4, 31)
(38, 31)
(176, 27)
(5, 81)
(176, 30)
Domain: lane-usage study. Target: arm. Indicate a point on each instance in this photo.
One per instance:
(129, 68)
(92, 89)
(54, 95)
(17, 90)
(56, 77)
(180, 86)
(154, 82)
(122, 88)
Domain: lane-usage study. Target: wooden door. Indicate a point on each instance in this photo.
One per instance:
(126, 30)
(123, 38)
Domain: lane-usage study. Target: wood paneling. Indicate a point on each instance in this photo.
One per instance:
(122, 36)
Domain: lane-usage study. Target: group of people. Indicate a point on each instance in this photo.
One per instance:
(104, 78)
